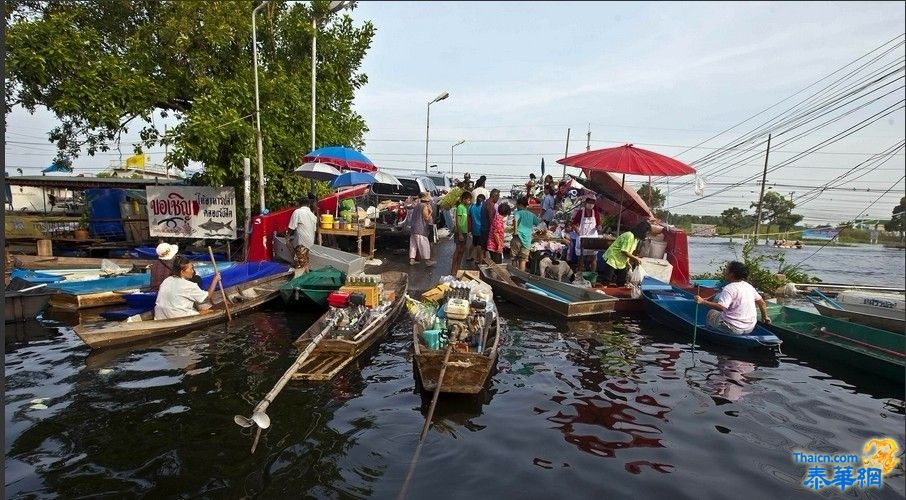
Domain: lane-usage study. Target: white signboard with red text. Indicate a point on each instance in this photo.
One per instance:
(192, 212)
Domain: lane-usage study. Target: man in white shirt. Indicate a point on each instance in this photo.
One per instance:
(304, 223)
(177, 296)
(735, 307)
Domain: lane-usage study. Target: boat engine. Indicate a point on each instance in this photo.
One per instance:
(465, 319)
(347, 312)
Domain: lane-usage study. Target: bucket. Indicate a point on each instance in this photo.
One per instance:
(657, 249)
(326, 221)
(432, 338)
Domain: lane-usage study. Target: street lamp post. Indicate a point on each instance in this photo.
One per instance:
(258, 108)
(332, 8)
(441, 97)
(451, 154)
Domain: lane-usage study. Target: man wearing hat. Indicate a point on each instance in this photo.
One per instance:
(418, 234)
(163, 267)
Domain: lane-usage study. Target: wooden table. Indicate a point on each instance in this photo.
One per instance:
(357, 231)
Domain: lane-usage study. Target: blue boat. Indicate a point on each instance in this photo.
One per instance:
(235, 274)
(676, 308)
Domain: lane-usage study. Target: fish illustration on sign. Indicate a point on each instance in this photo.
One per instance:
(212, 226)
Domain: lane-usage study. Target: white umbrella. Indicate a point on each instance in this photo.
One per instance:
(385, 178)
(318, 171)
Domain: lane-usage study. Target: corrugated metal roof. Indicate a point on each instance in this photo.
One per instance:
(76, 182)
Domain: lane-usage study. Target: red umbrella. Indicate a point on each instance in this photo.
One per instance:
(627, 159)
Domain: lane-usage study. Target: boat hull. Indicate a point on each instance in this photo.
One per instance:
(331, 355)
(24, 306)
(862, 347)
(576, 302)
(894, 325)
(244, 297)
(467, 372)
(677, 309)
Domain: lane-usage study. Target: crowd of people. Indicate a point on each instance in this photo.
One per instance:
(481, 222)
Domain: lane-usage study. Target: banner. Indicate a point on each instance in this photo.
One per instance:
(192, 212)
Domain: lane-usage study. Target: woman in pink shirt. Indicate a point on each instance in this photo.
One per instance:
(735, 307)
(495, 237)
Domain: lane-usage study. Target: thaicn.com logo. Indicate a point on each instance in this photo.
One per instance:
(879, 457)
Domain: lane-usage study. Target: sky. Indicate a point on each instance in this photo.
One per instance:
(662, 76)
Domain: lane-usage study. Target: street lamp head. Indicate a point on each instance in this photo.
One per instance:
(440, 97)
(337, 5)
(460, 142)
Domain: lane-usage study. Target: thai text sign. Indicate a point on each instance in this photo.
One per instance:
(192, 212)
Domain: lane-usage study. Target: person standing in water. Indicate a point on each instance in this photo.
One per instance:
(461, 230)
(418, 234)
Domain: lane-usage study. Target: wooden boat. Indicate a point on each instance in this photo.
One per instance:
(676, 308)
(24, 300)
(891, 320)
(862, 347)
(333, 354)
(467, 372)
(37, 262)
(313, 286)
(243, 298)
(549, 295)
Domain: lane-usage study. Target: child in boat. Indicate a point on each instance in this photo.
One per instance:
(734, 310)
(178, 295)
(496, 236)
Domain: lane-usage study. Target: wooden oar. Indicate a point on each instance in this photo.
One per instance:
(226, 303)
(421, 437)
(824, 331)
(500, 271)
(695, 323)
(259, 414)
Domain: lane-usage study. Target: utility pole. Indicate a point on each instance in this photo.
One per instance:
(566, 153)
(588, 139)
(764, 177)
(166, 165)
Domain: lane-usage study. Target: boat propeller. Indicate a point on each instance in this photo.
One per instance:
(258, 418)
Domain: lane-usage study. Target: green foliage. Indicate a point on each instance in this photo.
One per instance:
(760, 275)
(775, 209)
(735, 219)
(646, 191)
(103, 67)
(898, 221)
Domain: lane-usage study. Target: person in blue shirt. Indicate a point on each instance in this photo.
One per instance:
(524, 223)
(547, 204)
(475, 215)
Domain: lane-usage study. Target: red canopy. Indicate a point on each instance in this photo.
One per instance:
(627, 159)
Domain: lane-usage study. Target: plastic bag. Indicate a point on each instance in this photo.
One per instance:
(635, 291)
(637, 275)
(422, 313)
(581, 282)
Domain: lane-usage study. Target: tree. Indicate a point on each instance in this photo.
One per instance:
(105, 66)
(898, 220)
(735, 219)
(775, 209)
(646, 191)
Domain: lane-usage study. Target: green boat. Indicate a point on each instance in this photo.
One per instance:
(863, 347)
(313, 286)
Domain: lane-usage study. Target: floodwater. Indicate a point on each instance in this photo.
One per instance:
(616, 408)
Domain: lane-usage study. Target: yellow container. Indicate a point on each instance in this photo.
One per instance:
(326, 221)
(372, 294)
(436, 293)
